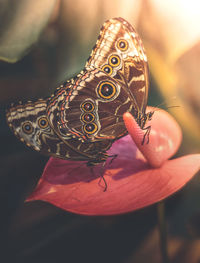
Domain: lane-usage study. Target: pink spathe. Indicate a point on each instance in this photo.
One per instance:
(137, 177)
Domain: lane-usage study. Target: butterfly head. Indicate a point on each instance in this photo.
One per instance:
(142, 119)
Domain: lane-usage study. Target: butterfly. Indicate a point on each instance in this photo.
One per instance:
(83, 118)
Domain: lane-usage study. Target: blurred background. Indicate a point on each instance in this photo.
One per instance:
(43, 43)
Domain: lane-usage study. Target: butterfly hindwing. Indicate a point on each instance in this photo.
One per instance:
(65, 112)
(31, 126)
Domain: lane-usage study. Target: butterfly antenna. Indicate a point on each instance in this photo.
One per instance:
(173, 106)
(164, 103)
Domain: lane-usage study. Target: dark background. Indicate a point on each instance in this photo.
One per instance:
(39, 232)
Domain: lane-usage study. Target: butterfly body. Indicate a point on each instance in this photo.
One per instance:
(82, 119)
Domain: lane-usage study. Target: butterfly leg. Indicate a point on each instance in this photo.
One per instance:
(101, 176)
(105, 183)
(102, 170)
(146, 135)
(113, 157)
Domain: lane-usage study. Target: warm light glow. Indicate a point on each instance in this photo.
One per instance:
(181, 19)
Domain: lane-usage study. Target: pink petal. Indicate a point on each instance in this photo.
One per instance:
(164, 139)
(132, 184)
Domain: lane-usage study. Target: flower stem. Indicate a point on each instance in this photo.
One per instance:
(162, 231)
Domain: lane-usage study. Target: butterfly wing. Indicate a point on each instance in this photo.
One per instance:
(119, 52)
(118, 61)
(90, 108)
(84, 116)
(64, 112)
(30, 124)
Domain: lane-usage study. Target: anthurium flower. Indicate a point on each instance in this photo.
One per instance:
(139, 176)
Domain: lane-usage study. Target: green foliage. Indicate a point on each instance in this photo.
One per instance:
(21, 22)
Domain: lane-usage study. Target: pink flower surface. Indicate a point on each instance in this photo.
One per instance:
(139, 176)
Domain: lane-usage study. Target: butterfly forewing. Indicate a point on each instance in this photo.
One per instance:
(120, 53)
